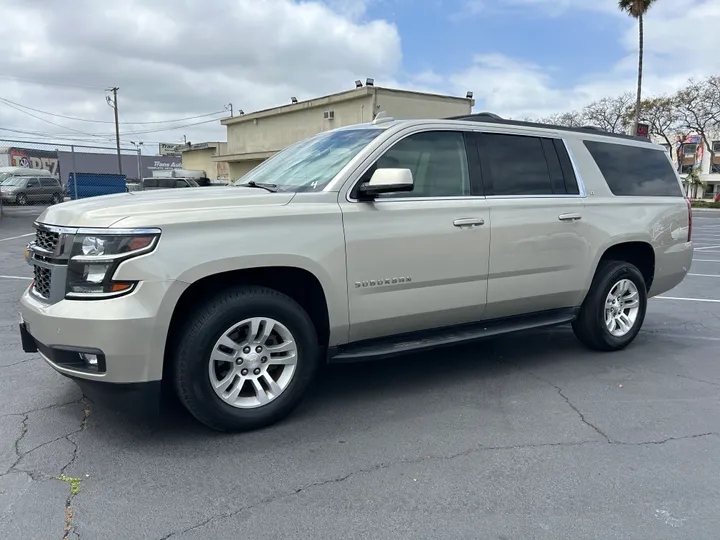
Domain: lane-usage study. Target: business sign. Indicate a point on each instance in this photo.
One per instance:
(643, 130)
(170, 149)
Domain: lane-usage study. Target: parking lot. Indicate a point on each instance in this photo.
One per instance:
(526, 436)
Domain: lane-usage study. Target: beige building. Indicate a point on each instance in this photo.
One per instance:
(201, 157)
(255, 137)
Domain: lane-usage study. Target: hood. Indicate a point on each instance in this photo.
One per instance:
(159, 206)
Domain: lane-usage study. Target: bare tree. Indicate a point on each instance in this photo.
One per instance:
(609, 114)
(698, 109)
(661, 116)
(567, 119)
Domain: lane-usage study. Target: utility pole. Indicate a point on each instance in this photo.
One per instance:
(230, 106)
(117, 127)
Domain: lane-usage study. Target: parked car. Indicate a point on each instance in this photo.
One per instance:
(24, 190)
(167, 183)
(364, 242)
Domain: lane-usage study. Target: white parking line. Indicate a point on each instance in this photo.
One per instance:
(16, 237)
(704, 275)
(707, 260)
(707, 247)
(711, 300)
(14, 277)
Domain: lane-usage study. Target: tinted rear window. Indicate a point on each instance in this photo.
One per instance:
(634, 170)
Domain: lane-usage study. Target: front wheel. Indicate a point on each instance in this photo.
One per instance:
(245, 359)
(21, 199)
(614, 309)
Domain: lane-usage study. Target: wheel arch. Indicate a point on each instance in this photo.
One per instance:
(296, 281)
(638, 252)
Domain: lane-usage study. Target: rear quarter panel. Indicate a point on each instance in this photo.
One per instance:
(609, 220)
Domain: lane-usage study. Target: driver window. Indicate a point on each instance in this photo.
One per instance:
(438, 162)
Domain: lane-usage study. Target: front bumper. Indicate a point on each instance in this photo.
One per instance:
(127, 334)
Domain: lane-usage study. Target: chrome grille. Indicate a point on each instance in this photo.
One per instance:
(42, 281)
(46, 240)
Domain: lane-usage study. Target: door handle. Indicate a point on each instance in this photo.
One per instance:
(469, 222)
(569, 217)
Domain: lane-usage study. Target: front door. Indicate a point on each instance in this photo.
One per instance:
(33, 190)
(419, 260)
(539, 255)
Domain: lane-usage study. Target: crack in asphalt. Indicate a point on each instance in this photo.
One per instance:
(382, 466)
(20, 362)
(45, 408)
(68, 529)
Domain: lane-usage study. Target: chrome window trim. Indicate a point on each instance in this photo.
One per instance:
(384, 147)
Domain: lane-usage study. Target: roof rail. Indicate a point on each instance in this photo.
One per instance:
(493, 118)
(478, 117)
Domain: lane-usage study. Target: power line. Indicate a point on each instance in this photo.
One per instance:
(109, 121)
(50, 83)
(43, 119)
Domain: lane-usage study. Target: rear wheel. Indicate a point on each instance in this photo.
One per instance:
(56, 198)
(614, 310)
(245, 359)
(21, 199)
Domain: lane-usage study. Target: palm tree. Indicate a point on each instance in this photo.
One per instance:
(636, 9)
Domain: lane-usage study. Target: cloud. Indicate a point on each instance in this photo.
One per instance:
(513, 87)
(176, 59)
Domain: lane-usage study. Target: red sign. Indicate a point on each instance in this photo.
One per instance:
(643, 130)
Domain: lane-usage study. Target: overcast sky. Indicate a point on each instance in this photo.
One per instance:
(176, 59)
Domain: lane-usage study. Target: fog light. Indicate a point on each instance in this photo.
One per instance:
(90, 359)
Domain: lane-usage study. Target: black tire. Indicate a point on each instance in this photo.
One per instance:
(56, 199)
(21, 199)
(205, 326)
(590, 327)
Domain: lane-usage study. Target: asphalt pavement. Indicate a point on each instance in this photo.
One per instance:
(528, 436)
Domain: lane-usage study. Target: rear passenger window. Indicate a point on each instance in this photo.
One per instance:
(635, 170)
(522, 165)
(48, 182)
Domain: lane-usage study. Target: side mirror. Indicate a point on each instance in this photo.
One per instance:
(388, 181)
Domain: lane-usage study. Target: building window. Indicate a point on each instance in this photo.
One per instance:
(715, 164)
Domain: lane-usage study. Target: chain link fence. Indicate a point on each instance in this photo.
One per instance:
(36, 174)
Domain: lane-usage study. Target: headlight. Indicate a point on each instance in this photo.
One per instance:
(96, 255)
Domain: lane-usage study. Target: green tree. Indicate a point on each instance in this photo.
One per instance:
(637, 9)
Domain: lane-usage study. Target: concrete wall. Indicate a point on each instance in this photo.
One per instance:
(201, 160)
(241, 168)
(405, 106)
(273, 133)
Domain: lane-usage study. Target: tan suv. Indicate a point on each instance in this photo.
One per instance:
(364, 242)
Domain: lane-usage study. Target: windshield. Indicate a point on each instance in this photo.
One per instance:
(3, 178)
(310, 164)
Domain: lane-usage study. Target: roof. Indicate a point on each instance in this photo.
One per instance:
(491, 118)
(348, 95)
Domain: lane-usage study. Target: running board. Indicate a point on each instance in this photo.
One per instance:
(446, 337)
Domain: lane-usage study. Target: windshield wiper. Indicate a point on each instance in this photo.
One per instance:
(272, 188)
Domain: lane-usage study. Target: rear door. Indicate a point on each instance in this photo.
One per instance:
(49, 188)
(538, 253)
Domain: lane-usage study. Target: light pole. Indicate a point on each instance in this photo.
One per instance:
(138, 146)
